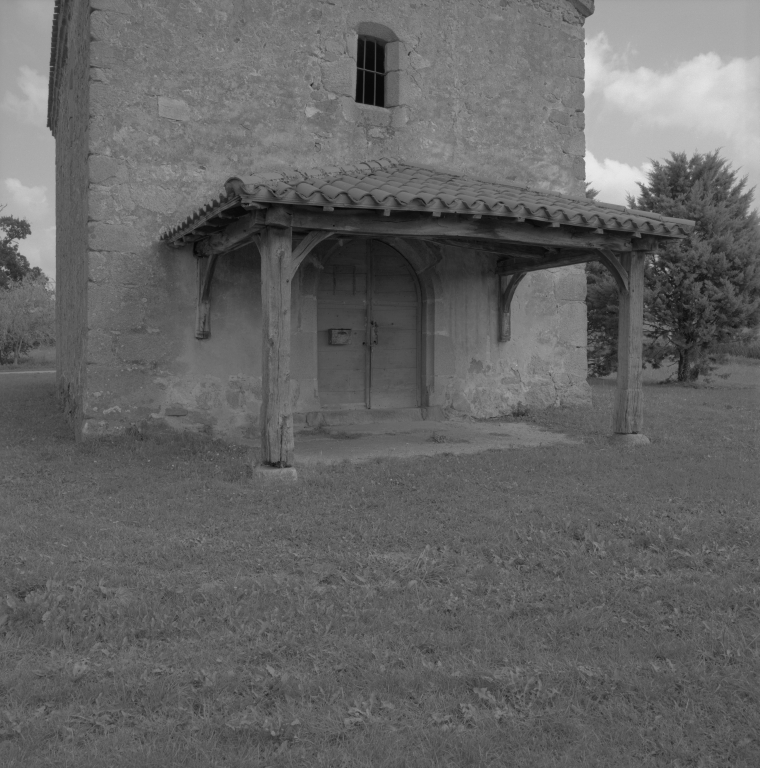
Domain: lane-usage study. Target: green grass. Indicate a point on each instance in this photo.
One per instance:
(749, 349)
(561, 606)
(41, 358)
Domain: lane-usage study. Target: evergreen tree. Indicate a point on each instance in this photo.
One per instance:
(700, 290)
(706, 288)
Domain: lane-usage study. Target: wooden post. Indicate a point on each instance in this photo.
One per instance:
(629, 403)
(276, 245)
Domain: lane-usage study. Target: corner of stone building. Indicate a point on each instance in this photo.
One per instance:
(68, 120)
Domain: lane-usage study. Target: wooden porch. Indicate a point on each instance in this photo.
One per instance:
(285, 234)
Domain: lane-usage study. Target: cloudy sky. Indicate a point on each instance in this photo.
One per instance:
(661, 75)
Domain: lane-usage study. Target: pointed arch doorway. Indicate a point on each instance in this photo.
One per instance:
(368, 322)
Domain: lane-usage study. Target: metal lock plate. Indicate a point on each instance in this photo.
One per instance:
(339, 337)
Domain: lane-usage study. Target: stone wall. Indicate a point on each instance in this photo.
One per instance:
(182, 97)
(69, 113)
(544, 363)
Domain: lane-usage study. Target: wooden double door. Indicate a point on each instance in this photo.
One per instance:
(368, 321)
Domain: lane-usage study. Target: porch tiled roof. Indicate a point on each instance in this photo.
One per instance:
(393, 185)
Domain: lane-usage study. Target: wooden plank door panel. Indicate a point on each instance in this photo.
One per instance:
(342, 303)
(394, 306)
(368, 282)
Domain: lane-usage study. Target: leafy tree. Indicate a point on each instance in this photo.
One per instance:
(701, 290)
(27, 317)
(14, 266)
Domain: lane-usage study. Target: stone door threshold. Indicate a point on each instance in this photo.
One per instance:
(345, 417)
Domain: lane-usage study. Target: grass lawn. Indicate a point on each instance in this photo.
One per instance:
(563, 606)
(41, 358)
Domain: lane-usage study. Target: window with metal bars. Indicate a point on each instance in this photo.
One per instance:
(370, 72)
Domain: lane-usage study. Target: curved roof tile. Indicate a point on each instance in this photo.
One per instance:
(388, 183)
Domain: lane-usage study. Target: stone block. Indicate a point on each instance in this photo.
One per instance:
(574, 67)
(104, 55)
(173, 109)
(575, 145)
(350, 109)
(104, 100)
(112, 237)
(100, 204)
(559, 117)
(396, 57)
(127, 268)
(400, 89)
(103, 168)
(584, 7)
(399, 116)
(275, 474)
(575, 101)
(158, 199)
(339, 77)
(418, 62)
(374, 116)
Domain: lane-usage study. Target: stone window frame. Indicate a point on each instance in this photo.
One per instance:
(396, 62)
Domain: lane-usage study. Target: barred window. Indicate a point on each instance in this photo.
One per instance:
(370, 72)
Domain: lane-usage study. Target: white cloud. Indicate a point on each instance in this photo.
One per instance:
(599, 60)
(31, 107)
(613, 179)
(25, 202)
(704, 94)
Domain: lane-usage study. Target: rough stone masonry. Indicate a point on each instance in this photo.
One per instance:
(155, 105)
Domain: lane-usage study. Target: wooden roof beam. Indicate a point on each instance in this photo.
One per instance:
(233, 235)
(505, 268)
(425, 226)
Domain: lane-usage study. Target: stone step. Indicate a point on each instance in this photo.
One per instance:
(343, 417)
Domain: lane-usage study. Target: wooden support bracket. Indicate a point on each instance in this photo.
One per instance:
(507, 287)
(305, 247)
(615, 268)
(205, 269)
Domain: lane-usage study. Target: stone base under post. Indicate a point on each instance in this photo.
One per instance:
(629, 439)
(271, 474)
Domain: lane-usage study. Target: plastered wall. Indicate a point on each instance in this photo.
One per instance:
(184, 95)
